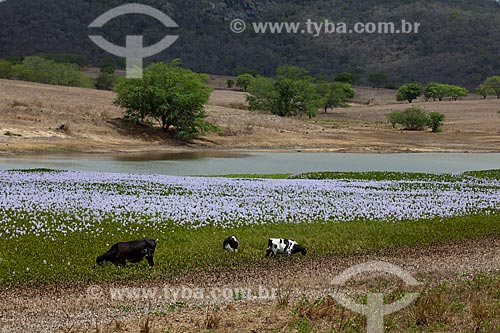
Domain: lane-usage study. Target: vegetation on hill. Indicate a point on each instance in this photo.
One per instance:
(457, 42)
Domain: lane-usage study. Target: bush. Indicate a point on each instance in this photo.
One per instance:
(66, 58)
(41, 70)
(106, 81)
(5, 69)
(230, 83)
(415, 118)
(436, 121)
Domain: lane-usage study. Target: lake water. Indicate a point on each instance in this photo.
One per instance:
(221, 163)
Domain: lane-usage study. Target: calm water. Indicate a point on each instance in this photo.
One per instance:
(220, 163)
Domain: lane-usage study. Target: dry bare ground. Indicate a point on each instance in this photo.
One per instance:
(84, 308)
(41, 118)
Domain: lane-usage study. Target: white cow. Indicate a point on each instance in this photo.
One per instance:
(281, 245)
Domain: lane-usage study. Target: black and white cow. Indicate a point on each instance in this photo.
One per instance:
(230, 244)
(133, 251)
(285, 246)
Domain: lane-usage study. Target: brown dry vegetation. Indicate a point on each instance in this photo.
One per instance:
(459, 292)
(31, 116)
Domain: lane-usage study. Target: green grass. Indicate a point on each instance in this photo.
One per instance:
(186, 250)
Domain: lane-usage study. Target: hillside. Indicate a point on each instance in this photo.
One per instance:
(42, 118)
(457, 42)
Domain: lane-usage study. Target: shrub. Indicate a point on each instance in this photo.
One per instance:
(41, 70)
(436, 121)
(415, 118)
(230, 83)
(106, 81)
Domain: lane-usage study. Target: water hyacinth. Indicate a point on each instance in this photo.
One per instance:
(44, 204)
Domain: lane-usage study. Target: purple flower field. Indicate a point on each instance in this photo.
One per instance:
(48, 203)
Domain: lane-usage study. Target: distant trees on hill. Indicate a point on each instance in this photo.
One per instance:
(38, 69)
(294, 92)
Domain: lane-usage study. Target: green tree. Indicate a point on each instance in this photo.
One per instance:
(229, 83)
(409, 92)
(261, 93)
(456, 91)
(334, 94)
(243, 81)
(435, 90)
(493, 83)
(171, 95)
(378, 80)
(291, 93)
(484, 90)
(436, 121)
(106, 81)
(345, 78)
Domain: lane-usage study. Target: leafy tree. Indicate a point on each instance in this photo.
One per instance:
(106, 81)
(291, 93)
(378, 80)
(243, 81)
(409, 92)
(345, 78)
(436, 121)
(493, 83)
(435, 90)
(230, 83)
(171, 95)
(456, 91)
(334, 94)
(485, 91)
(295, 93)
(261, 93)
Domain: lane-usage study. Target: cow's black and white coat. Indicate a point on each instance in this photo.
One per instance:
(285, 246)
(230, 244)
(133, 251)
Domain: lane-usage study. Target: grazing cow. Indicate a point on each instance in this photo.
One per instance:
(133, 251)
(230, 244)
(280, 245)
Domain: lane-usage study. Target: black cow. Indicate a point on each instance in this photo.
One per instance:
(133, 251)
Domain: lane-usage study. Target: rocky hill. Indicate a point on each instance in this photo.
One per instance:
(457, 42)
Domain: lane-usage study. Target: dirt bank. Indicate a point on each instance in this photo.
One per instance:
(42, 118)
(82, 307)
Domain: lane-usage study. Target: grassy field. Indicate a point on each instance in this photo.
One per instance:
(54, 224)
